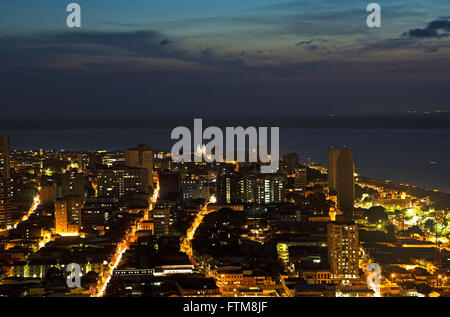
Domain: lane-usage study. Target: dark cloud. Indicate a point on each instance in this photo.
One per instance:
(303, 43)
(57, 47)
(434, 29)
(428, 39)
(54, 46)
(164, 42)
(315, 46)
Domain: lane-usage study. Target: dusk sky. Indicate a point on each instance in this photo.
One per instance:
(234, 57)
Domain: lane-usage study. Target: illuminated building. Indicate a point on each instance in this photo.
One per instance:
(166, 164)
(68, 214)
(161, 221)
(121, 181)
(146, 225)
(269, 189)
(237, 188)
(343, 249)
(234, 281)
(37, 267)
(197, 287)
(317, 276)
(72, 184)
(6, 183)
(112, 159)
(314, 290)
(300, 181)
(195, 188)
(394, 199)
(142, 157)
(228, 188)
(341, 178)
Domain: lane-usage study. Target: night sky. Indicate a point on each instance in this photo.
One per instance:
(155, 58)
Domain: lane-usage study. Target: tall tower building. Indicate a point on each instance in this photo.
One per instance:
(68, 214)
(5, 166)
(142, 157)
(6, 183)
(346, 183)
(343, 249)
(333, 155)
(341, 170)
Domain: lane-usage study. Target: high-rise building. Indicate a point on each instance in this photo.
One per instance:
(195, 188)
(269, 188)
(72, 184)
(166, 164)
(47, 193)
(6, 183)
(68, 214)
(120, 181)
(346, 185)
(341, 170)
(291, 160)
(228, 188)
(343, 248)
(161, 221)
(5, 165)
(238, 188)
(300, 181)
(169, 186)
(142, 157)
(333, 155)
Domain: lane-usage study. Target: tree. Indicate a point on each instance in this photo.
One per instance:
(376, 214)
(430, 225)
(319, 202)
(390, 228)
(414, 230)
(53, 275)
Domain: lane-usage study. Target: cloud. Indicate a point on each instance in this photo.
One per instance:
(164, 42)
(72, 48)
(434, 29)
(301, 43)
(428, 39)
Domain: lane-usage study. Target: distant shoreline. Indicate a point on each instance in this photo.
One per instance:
(434, 120)
(443, 198)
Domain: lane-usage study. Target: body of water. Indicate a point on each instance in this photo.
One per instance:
(400, 155)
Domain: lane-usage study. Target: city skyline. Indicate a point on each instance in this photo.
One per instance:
(137, 223)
